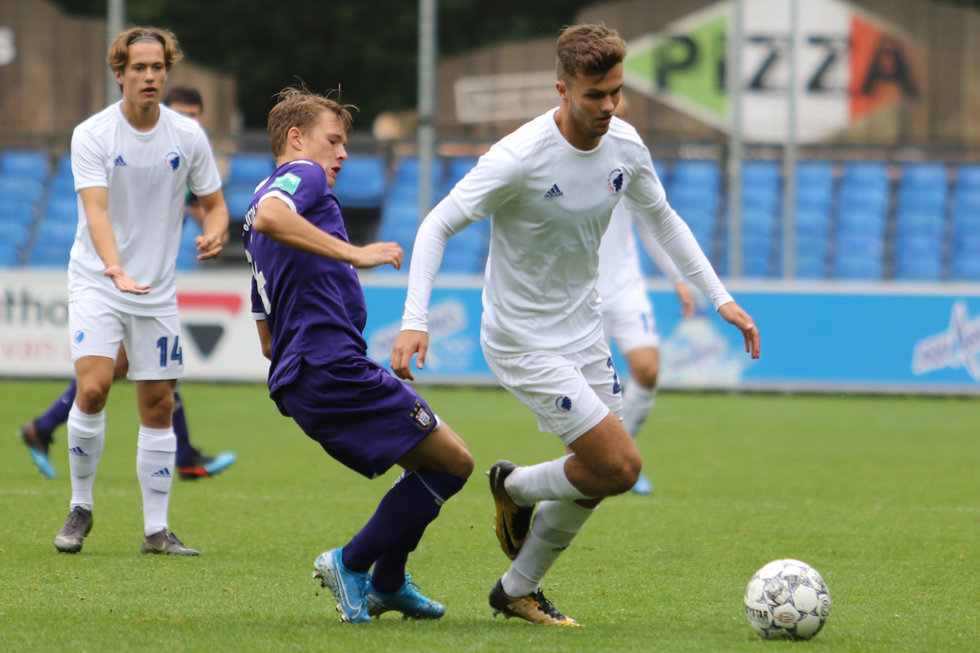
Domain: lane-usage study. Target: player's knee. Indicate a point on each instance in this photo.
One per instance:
(624, 475)
(91, 397)
(647, 377)
(158, 407)
(462, 463)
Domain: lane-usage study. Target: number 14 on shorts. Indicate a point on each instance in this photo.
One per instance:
(175, 353)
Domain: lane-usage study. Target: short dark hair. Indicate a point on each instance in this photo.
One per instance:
(183, 95)
(589, 50)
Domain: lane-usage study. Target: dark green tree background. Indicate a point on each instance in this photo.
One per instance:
(367, 47)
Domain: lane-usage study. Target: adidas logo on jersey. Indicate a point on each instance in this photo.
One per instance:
(161, 473)
(553, 193)
(77, 451)
(119, 161)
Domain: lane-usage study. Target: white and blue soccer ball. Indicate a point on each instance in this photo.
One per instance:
(787, 599)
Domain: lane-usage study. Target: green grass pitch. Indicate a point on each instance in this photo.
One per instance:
(880, 494)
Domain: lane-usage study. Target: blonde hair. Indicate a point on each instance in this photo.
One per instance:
(589, 50)
(300, 107)
(119, 49)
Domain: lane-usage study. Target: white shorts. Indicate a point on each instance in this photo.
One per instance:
(568, 393)
(630, 323)
(152, 342)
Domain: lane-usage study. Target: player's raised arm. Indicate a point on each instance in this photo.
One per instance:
(276, 220)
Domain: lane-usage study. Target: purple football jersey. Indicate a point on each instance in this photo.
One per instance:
(314, 306)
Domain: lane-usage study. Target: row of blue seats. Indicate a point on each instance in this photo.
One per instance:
(845, 226)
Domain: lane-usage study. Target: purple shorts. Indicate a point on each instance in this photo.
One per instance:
(359, 413)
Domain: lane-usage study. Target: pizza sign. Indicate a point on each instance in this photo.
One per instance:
(849, 64)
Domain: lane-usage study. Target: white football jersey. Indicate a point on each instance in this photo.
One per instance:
(147, 175)
(620, 274)
(550, 204)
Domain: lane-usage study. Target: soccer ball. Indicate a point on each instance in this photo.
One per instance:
(787, 599)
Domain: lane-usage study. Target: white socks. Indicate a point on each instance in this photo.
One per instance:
(555, 525)
(86, 440)
(547, 480)
(637, 404)
(155, 466)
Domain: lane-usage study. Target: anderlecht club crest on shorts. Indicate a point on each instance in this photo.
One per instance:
(421, 415)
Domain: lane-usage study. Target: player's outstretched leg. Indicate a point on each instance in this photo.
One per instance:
(533, 607)
(348, 587)
(166, 543)
(512, 522)
(406, 599)
(37, 445)
(77, 526)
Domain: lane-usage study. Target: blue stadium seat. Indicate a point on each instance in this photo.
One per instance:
(756, 256)
(868, 200)
(965, 269)
(702, 172)
(10, 256)
(967, 178)
(760, 198)
(55, 233)
(814, 174)
(62, 166)
(919, 270)
(62, 186)
(965, 259)
(857, 268)
(237, 198)
(361, 182)
(760, 173)
(25, 163)
(249, 169)
(466, 252)
(870, 175)
(813, 223)
(399, 223)
(854, 221)
(186, 258)
(17, 210)
(191, 229)
(966, 214)
(21, 188)
(685, 198)
(703, 224)
(814, 199)
(929, 177)
(858, 257)
(15, 234)
(758, 223)
(407, 171)
(910, 221)
(49, 256)
(918, 258)
(61, 209)
(811, 255)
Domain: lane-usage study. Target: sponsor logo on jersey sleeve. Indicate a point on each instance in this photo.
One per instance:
(287, 182)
